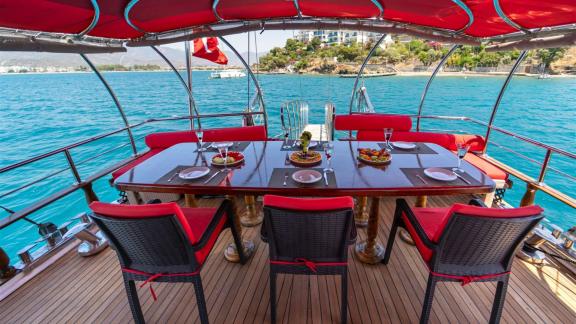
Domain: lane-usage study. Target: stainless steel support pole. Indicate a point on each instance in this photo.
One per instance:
(372, 51)
(501, 95)
(252, 76)
(191, 106)
(116, 101)
(184, 84)
(427, 87)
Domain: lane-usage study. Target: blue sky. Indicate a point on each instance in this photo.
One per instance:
(266, 41)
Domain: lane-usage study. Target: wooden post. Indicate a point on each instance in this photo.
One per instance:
(252, 216)
(361, 213)
(230, 253)
(89, 193)
(190, 201)
(370, 251)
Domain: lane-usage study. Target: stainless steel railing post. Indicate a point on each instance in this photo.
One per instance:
(427, 87)
(191, 105)
(500, 96)
(362, 67)
(116, 101)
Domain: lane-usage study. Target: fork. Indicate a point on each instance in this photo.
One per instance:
(421, 179)
(285, 179)
(172, 177)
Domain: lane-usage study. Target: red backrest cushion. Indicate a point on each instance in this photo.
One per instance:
(448, 141)
(144, 211)
(309, 204)
(372, 122)
(167, 139)
(477, 211)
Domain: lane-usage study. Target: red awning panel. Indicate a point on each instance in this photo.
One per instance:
(73, 16)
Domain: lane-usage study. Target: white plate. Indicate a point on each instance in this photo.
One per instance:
(216, 145)
(312, 144)
(404, 145)
(194, 173)
(440, 174)
(306, 176)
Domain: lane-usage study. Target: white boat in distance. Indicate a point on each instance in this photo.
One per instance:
(225, 74)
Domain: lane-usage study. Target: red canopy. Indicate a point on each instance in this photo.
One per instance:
(152, 16)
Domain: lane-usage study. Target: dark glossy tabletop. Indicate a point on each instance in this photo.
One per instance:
(261, 158)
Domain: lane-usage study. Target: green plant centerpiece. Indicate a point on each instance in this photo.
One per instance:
(305, 139)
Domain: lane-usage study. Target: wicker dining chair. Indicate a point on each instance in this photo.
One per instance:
(163, 243)
(310, 237)
(465, 243)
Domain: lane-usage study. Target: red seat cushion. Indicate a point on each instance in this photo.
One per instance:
(432, 221)
(194, 221)
(448, 141)
(372, 122)
(134, 163)
(167, 139)
(198, 220)
(488, 168)
(309, 204)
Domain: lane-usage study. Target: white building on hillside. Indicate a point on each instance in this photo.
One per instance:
(335, 37)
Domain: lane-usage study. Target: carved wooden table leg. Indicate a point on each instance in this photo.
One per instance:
(370, 251)
(190, 201)
(252, 216)
(404, 235)
(361, 214)
(230, 253)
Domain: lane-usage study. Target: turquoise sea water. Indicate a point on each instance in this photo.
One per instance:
(42, 112)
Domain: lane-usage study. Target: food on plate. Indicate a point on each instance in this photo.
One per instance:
(374, 156)
(301, 158)
(232, 158)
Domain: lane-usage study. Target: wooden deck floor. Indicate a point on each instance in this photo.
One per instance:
(90, 290)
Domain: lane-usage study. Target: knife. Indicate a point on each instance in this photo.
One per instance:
(325, 178)
(213, 176)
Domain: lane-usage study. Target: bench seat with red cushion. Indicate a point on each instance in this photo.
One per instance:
(356, 122)
(448, 141)
(488, 168)
(166, 139)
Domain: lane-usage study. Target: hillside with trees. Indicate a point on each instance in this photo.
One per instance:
(316, 57)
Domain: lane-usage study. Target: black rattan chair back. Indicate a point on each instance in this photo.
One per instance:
(473, 245)
(151, 244)
(312, 235)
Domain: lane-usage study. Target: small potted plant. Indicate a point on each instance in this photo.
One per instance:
(305, 139)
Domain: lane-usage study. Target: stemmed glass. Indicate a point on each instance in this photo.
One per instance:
(223, 150)
(329, 151)
(387, 137)
(286, 136)
(462, 149)
(200, 136)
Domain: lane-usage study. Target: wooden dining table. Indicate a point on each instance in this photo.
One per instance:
(267, 170)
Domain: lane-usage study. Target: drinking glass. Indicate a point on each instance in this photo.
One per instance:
(461, 151)
(286, 136)
(387, 137)
(200, 135)
(223, 150)
(329, 151)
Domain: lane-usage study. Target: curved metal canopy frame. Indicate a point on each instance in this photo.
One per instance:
(215, 10)
(427, 87)
(116, 101)
(252, 76)
(129, 7)
(184, 84)
(465, 7)
(501, 95)
(361, 71)
(507, 19)
(94, 19)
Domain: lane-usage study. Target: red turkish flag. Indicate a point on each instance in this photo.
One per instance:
(209, 50)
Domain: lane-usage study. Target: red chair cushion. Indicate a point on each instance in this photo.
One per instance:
(432, 221)
(167, 139)
(194, 221)
(309, 204)
(488, 168)
(448, 141)
(372, 122)
(134, 163)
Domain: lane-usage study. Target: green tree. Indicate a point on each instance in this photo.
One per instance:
(548, 55)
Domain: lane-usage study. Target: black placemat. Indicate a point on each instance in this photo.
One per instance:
(411, 174)
(176, 180)
(420, 148)
(277, 179)
(298, 148)
(238, 146)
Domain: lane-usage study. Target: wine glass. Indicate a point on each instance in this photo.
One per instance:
(329, 152)
(387, 137)
(223, 150)
(462, 149)
(200, 136)
(286, 136)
